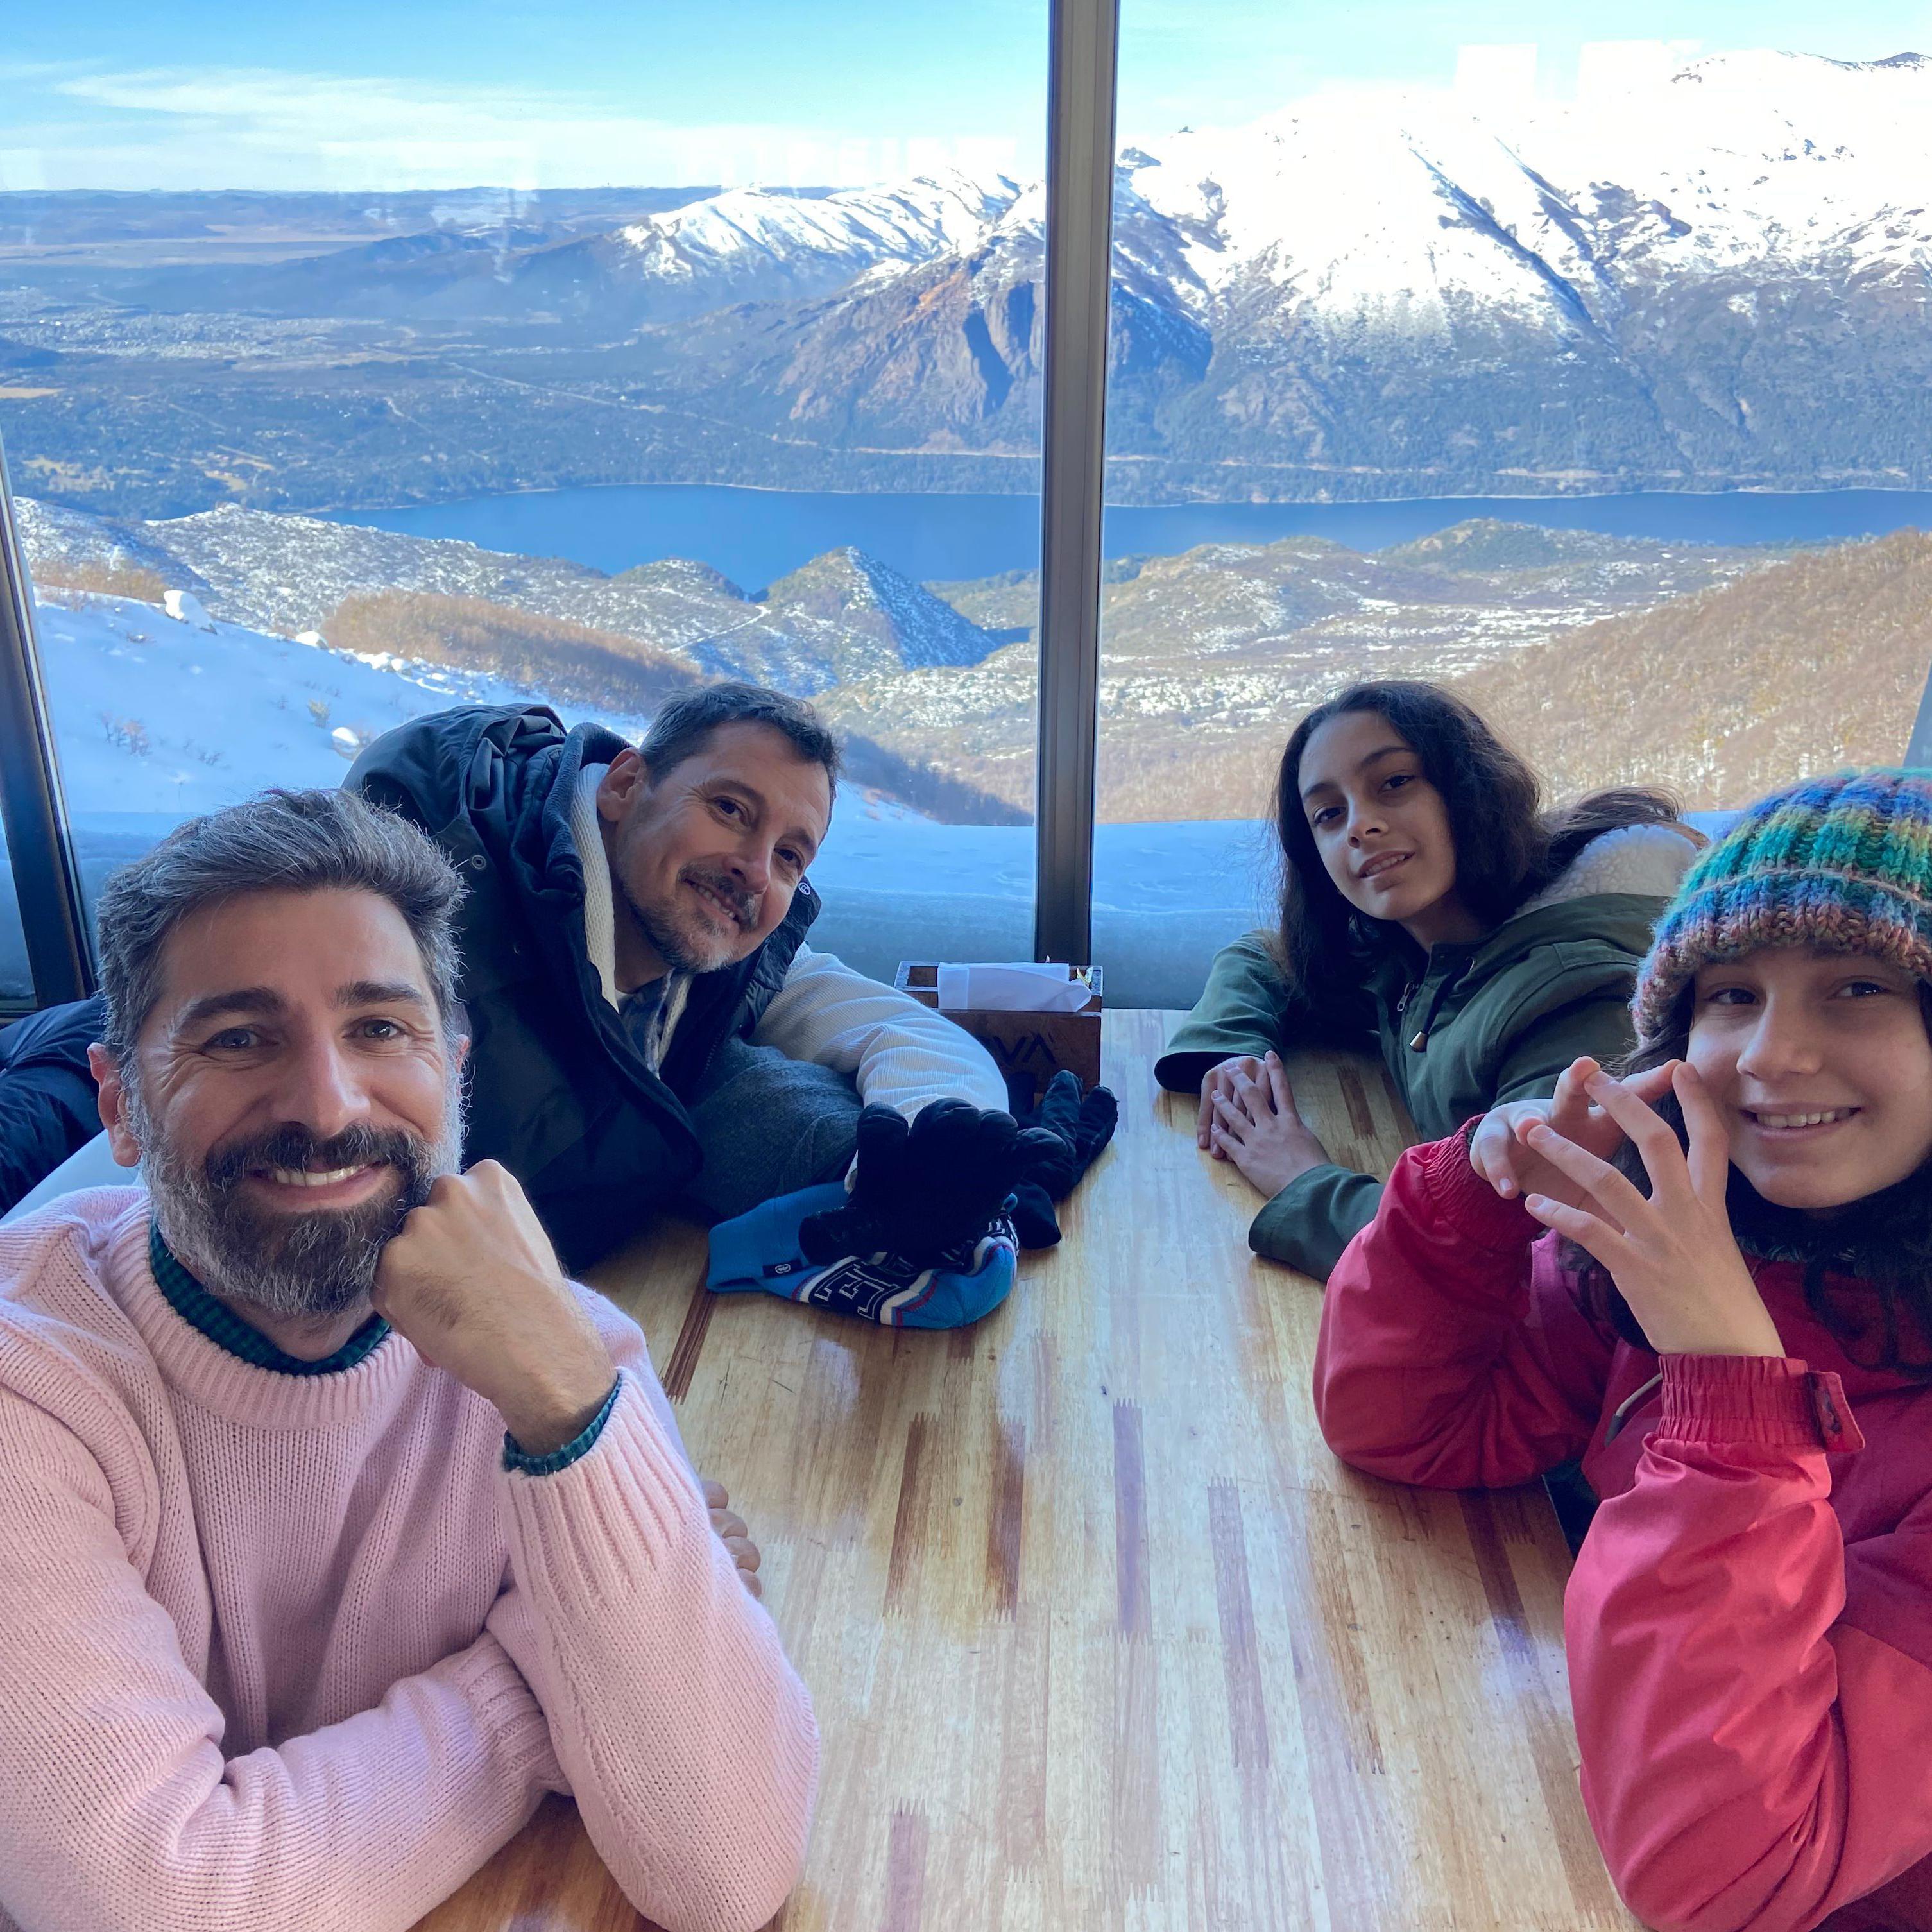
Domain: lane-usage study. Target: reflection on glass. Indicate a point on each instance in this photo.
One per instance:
(1505, 364)
(318, 434)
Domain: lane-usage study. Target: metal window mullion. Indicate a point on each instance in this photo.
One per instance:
(46, 885)
(1079, 249)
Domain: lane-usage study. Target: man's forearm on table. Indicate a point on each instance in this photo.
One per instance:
(688, 1739)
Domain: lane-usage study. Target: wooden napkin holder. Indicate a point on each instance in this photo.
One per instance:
(1028, 1047)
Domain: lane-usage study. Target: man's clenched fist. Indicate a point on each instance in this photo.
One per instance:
(473, 1283)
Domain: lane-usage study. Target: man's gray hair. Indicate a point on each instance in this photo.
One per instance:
(684, 727)
(280, 841)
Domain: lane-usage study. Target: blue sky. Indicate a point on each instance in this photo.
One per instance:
(353, 94)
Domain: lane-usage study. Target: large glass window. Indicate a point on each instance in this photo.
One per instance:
(355, 363)
(1576, 363)
(1568, 361)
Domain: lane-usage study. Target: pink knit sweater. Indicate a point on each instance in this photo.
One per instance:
(279, 1651)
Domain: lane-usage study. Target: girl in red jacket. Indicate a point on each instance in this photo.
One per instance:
(1730, 1322)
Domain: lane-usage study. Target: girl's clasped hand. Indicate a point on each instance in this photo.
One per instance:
(1671, 1252)
(1248, 1116)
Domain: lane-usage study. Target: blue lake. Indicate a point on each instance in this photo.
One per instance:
(755, 536)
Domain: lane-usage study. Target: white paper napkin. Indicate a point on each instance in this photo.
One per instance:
(1022, 986)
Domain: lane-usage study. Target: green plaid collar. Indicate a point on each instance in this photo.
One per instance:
(226, 1330)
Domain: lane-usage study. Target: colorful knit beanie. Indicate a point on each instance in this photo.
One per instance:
(1843, 864)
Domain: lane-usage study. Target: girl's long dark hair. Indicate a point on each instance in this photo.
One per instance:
(1508, 847)
(1886, 1246)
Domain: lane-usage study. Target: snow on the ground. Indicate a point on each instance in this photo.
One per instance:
(154, 715)
(158, 718)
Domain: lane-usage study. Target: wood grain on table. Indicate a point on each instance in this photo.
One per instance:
(1099, 1632)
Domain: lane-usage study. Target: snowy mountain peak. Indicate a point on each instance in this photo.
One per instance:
(1364, 203)
(904, 222)
(880, 620)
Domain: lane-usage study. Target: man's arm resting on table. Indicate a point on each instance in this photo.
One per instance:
(688, 1739)
(900, 1053)
(118, 1811)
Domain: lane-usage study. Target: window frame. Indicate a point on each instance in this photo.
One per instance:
(40, 845)
(1081, 89)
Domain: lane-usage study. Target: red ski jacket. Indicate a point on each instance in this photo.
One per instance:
(1749, 1624)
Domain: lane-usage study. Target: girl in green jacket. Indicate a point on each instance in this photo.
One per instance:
(1431, 910)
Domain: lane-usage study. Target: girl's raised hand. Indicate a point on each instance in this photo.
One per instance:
(1500, 1152)
(1672, 1256)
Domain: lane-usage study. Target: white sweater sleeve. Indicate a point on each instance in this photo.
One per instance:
(901, 1053)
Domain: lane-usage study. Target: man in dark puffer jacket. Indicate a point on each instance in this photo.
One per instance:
(646, 1022)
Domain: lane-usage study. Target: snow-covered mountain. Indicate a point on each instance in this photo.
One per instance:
(1391, 206)
(1359, 202)
(748, 243)
(745, 244)
(861, 617)
(1725, 274)
(1719, 277)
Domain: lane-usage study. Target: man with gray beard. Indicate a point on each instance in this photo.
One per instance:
(342, 1526)
(305, 1262)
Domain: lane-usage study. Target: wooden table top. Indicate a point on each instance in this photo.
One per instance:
(1099, 1632)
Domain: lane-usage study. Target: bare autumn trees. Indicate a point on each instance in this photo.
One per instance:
(1803, 668)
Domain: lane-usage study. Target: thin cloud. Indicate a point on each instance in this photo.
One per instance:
(265, 127)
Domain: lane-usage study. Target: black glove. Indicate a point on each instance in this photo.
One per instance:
(921, 1188)
(1061, 1142)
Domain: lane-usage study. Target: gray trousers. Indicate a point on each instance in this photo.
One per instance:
(768, 1126)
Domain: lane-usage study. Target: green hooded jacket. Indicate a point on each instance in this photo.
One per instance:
(1472, 1026)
